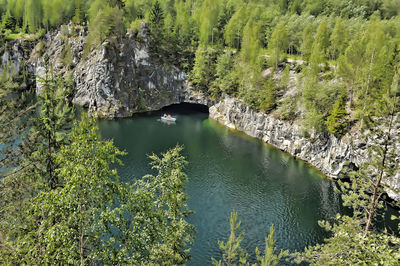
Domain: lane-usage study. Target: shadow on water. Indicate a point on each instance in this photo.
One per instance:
(230, 171)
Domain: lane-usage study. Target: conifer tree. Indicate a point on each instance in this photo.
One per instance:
(278, 43)
(337, 39)
(320, 45)
(156, 25)
(234, 254)
(208, 21)
(336, 121)
(51, 126)
(308, 39)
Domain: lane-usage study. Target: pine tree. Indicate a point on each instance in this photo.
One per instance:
(308, 39)
(169, 184)
(51, 126)
(208, 21)
(337, 39)
(336, 121)
(156, 25)
(278, 43)
(234, 254)
(40, 129)
(320, 46)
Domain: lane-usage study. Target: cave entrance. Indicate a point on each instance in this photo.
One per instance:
(185, 108)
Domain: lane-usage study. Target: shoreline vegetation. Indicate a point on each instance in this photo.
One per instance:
(62, 203)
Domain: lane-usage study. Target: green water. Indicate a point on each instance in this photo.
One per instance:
(230, 171)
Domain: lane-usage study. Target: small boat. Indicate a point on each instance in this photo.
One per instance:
(168, 118)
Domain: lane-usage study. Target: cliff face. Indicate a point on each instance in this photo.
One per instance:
(119, 78)
(116, 79)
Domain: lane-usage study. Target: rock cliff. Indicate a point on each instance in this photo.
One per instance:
(117, 78)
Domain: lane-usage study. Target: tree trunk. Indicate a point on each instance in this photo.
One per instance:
(367, 87)
(381, 172)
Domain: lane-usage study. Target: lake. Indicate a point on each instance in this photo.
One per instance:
(229, 171)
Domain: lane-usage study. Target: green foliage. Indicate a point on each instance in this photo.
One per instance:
(336, 121)
(320, 46)
(204, 67)
(278, 43)
(91, 217)
(50, 126)
(285, 76)
(208, 23)
(156, 25)
(338, 39)
(234, 254)
(62, 223)
(225, 77)
(349, 246)
(105, 21)
(272, 257)
(177, 234)
(308, 39)
(267, 96)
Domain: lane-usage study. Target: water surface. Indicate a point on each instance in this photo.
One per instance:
(230, 171)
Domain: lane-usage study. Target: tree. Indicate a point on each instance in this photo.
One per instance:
(336, 121)
(105, 21)
(61, 225)
(307, 43)
(320, 45)
(92, 217)
(234, 28)
(337, 39)
(225, 77)
(278, 43)
(156, 25)
(177, 234)
(208, 21)
(36, 130)
(32, 15)
(251, 44)
(234, 254)
(51, 126)
(79, 12)
(204, 66)
(374, 74)
(349, 66)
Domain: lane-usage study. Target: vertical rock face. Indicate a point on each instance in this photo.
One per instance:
(117, 78)
(14, 57)
(117, 81)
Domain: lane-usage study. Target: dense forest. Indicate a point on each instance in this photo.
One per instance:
(56, 174)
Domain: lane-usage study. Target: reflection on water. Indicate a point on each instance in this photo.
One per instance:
(230, 171)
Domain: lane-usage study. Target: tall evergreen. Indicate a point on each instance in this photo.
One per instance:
(156, 25)
(278, 43)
